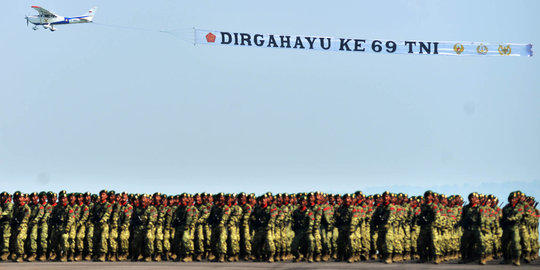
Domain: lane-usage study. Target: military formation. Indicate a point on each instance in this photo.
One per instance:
(309, 227)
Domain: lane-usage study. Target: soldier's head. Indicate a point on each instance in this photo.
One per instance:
(63, 199)
(513, 198)
(34, 198)
(156, 198)
(474, 198)
(87, 198)
(103, 196)
(347, 199)
(386, 198)
(42, 197)
(428, 196)
(111, 195)
(123, 198)
(71, 198)
(303, 202)
(242, 198)
(443, 199)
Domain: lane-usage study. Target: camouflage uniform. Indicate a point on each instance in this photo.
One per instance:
(126, 212)
(303, 242)
(19, 229)
(6, 214)
(36, 214)
(144, 219)
(101, 216)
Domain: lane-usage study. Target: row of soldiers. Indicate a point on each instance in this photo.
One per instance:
(299, 227)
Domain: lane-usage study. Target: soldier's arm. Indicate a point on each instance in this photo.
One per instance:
(107, 215)
(85, 213)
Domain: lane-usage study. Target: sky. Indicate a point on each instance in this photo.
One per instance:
(117, 104)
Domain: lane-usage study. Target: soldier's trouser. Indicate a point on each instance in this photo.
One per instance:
(43, 237)
(485, 242)
(234, 240)
(207, 238)
(61, 241)
(72, 234)
(356, 241)
(219, 240)
(317, 241)
(263, 243)
(326, 236)
(159, 239)
(426, 243)
(386, 240)
(89, 241)
(245, 240)
(510, 243)
(525, 239)
(406, 238)
(5, 231)
(497, 235)
(374, 235)
(177, 241)
(123, 239)
(101, 238)
(334, 240)
(19, 236)
(79, 239)
(414, 239)
(344, 243)
(32, 240)
(199, 238)
(470, 242)
(113, 239)
(187, 241)
(140, 242)
(167, 239)
(303, 243)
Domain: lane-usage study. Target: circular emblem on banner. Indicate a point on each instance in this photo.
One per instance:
(458, 48)
(482, 49)
(505, 50)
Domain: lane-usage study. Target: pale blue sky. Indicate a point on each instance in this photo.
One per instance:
(94, 106)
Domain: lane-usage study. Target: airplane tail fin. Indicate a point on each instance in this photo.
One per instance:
(91, 13)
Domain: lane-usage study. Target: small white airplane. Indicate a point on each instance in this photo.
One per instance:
(48, 19)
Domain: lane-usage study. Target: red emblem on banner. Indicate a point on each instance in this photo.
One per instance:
(210, 38)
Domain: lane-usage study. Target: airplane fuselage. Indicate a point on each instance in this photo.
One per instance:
(44, 20)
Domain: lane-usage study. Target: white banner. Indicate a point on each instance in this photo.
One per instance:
(320, 43)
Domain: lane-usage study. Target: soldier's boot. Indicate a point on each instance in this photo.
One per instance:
(79, 257)
(52, 256)
(387, 258)
(157, 258)
(112, 257)
(42, 257)
(12, 256)
(63, 258)
(350, 259)
(317, 257)
(88, 257)
(166, 256)
(187, 258)
(221, 258)
(299, 258)
(245, 258)
(18, 258)
(101, 257)
(198, 257)
(31, 257)
(438, 259)
(173, 256)
(230, 259)
(516, 262)
(310, 257)
(325, 257)
(147, 259)
(211, 257)
(407, 256)
(70, 257)
(396, 257)
(483, 260)
(270, 258)
(373, 257)
(527, 258)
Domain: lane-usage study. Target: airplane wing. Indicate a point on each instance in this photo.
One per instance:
(43, 12)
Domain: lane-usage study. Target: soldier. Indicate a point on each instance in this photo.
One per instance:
(415, 226)
(113, 226)
(167, 228)
(72, 234)
(102, 213)
(233, 228)
(209, 202)
(43, 229)
(303, 221)
(264, 216)
(62, 219)
(245, 231)
(89, 224)
(203, 214)
(158, 231)
(347, 224)
(428, 238)
(373, 227)
(19, 226)
(219, 217)
(470, 221)
(36, 214)
(52, 199)
(124, 219)
(6, 214)
(144, 219)
(512, 215)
